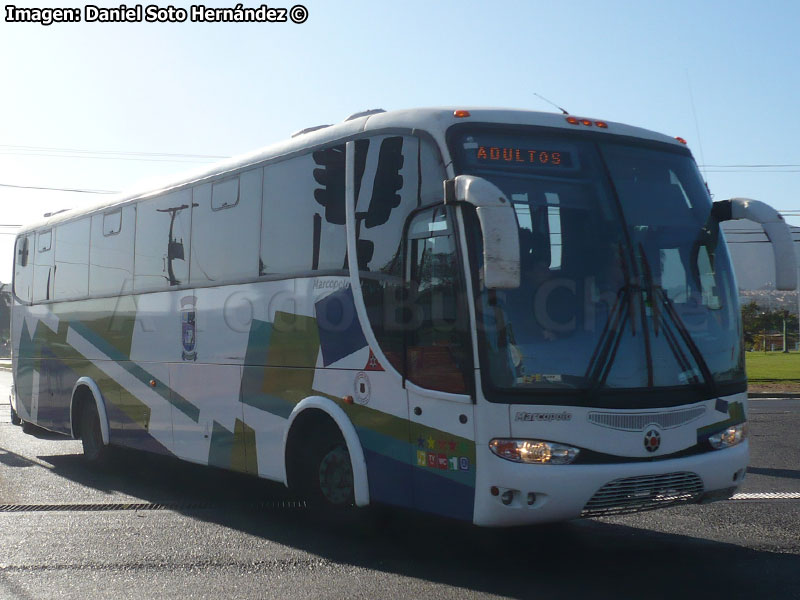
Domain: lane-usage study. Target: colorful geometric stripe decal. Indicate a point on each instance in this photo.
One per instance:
(161, 388)
(340, 332)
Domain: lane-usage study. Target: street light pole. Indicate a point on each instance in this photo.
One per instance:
(785, 349)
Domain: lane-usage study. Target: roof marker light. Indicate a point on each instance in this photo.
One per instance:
(572, 121)
(601, 124)
(586, 122)
(460, 114)
(681, 140)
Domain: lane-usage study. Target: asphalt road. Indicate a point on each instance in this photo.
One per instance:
(163, 529)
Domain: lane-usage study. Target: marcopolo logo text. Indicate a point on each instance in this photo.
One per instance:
(547, 417)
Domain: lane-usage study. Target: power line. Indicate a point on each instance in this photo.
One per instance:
(55, 189)
(120, 152)
(129, 158)
(751, 171)
(754, 166)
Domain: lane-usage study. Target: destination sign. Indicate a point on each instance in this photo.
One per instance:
(523, 156)
(528, 153)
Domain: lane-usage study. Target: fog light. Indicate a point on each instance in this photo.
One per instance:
(733, 435)
(507, 497)
(534, 451)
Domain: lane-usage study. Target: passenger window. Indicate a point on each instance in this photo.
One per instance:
(72, 260)
(431, 173)
(112, 222)
(302, 222)
(22, 251)
(23, 271)
(45, 240)
(387, 195)
(437, 344)
(163, 229)
(43, 267)
(111, 265)
(225, 194)
(226, 220)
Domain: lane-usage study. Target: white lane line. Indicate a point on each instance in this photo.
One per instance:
(768, 496)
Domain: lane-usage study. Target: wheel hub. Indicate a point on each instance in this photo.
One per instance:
(336, 476)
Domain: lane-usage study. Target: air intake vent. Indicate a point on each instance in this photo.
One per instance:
(639, 421)
(646, 492)
(365, 113)
(309, 130)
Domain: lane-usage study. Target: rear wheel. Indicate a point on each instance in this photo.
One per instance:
(94, 451)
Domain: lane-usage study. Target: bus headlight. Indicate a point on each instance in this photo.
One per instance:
(735, 434)
(534, 451)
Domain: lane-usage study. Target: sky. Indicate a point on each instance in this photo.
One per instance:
(104, 106)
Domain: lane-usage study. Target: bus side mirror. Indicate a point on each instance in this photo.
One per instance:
(774, 226)
(498, 220)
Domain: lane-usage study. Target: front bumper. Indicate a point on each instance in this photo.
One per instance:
(564, 492)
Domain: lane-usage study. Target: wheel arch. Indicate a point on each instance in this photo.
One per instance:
(85, 389)
(348, 431)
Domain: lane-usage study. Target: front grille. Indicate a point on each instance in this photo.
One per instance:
(646, 492)
(638, 421)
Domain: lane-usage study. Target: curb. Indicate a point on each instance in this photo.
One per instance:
(772, 395)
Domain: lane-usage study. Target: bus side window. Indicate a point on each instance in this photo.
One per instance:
(43, 267)
(72, 260)
(437, 348)
(225, 211)
(111, 258)
(162, 246)
(431, 173)
(23, 273)
(302, 221)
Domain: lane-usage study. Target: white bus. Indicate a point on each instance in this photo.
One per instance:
(499, 316)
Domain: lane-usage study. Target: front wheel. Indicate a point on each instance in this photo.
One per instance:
(94, 451)
(336, 477)
(327, 477)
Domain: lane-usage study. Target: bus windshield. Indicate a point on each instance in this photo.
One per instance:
(626, 280)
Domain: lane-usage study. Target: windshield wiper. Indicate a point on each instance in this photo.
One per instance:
(606, 350)
(659, 298)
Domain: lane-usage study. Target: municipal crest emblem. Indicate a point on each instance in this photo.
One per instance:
(189, 328)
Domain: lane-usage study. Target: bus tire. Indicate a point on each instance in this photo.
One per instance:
(94, 451)
(326, 474)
